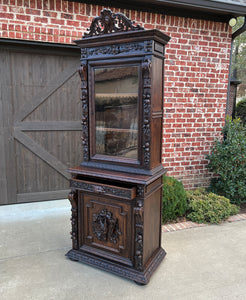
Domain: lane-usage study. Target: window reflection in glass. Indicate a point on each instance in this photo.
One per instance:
(116, 111)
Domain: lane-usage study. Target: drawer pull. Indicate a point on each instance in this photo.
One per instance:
(98, 189)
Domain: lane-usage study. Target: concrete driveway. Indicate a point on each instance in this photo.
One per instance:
(201, 263)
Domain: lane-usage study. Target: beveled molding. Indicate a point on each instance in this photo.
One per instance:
(141, 277)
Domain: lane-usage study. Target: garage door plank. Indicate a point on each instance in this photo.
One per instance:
(40, 97)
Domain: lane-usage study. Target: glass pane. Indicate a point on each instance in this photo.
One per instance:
(116, 115)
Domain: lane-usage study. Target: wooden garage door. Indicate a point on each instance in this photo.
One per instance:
(40, 126)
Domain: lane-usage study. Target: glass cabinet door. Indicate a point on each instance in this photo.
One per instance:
(116, 111)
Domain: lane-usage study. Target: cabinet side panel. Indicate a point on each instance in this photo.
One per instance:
(157, 111)
(152, 225)
(156, 126)
(157, 84)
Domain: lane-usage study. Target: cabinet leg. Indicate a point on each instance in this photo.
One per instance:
(140, 283)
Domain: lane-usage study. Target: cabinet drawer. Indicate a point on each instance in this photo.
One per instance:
(116, 191)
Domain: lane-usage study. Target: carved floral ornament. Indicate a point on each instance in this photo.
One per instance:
(109, 22)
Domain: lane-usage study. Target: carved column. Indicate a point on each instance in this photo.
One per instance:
(85, 109)
(73, 198)
(146, 67)
(139, 221)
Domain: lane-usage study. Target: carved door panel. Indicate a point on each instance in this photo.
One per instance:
(107, 227)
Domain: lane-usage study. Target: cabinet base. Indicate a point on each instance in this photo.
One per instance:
(140, 277)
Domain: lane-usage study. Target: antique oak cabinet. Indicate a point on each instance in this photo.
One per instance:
(116, 192)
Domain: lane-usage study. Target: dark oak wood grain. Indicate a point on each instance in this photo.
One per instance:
(117, 190)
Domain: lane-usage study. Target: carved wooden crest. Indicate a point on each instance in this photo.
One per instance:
(105, 227)
(109, 22)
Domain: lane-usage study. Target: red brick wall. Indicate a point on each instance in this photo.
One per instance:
(196, 83)
(196, 72)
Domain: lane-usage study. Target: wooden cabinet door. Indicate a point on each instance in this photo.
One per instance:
(106, 227)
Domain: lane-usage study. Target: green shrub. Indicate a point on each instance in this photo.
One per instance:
(241, 110)
(174, 203)
(228, 162)
(204, 207)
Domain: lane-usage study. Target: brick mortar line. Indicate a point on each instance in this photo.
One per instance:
(188, 224)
